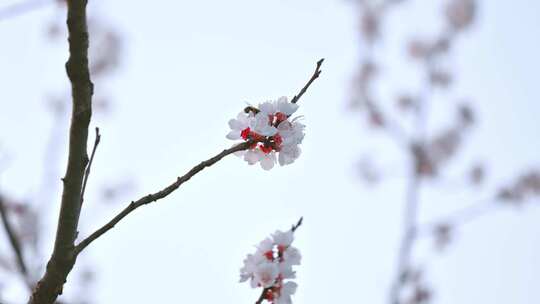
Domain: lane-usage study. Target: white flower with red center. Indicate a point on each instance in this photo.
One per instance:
(275, 136)
(271, 265)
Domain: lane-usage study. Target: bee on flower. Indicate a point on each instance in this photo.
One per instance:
(275, 136)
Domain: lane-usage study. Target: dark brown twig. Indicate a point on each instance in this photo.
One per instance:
(261, 297)
(313, 77)
(295, 99)
(159, 195)
(298, 224)
(87, 172)
(14, 242)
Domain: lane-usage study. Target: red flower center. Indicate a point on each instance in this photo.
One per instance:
(269, 255)
(245, 133)
(266, 149)
(280, 117)
(269, 295)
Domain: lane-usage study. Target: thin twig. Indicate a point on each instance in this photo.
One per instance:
(87, 173)
(295, 99)
(298, 224)
(159, 195)
(261, 297)
(313, 77)
(14, 242)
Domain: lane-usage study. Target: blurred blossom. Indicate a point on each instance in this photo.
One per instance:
(527, 185)
(477, 174)
(376, 119)
(445, 145)
(424, 49)
(368, 170)
(113, 191)
(440, 78)
(367, 71)
(423, 164)
(105, 49)
(407, 102)
(414, 290)
(460, 13)
(421, 294)
(369, 25)
(361, 84)
(466, 115)
(418, 49)
(443, 236)
(437, 151)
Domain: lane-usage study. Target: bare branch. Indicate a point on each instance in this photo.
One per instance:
(409, 236)
(14, 242)
(313, 77)
(295, 99)
(160, 194)
(263, 293)
(63, 257)
(297, 225)
(87, 173)
(458, 217)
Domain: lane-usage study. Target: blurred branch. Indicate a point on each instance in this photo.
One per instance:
(14, 242)
(409, 235)
(14, 10)
(87, 173)
(458, 217)
(63, 257)
(159, 195)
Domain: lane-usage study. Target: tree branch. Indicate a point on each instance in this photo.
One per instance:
(159, 195)
(14, 242)
(63, 257)
(458, 217)
(409, 236)
(310, 81)
(297, 225)
(261, 297)
(87, 173)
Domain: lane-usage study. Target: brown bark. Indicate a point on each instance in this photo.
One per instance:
(63, 256)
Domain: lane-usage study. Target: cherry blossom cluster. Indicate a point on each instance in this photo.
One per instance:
(271, 265)
(276, 138)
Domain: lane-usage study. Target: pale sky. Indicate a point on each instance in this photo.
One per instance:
(191, 66)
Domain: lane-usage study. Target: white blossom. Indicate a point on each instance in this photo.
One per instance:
(276, 137)
(239, 124)
(283, 238)
(286, 291)
(271, 267)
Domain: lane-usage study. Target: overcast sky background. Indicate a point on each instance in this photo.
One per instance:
(190, 66)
